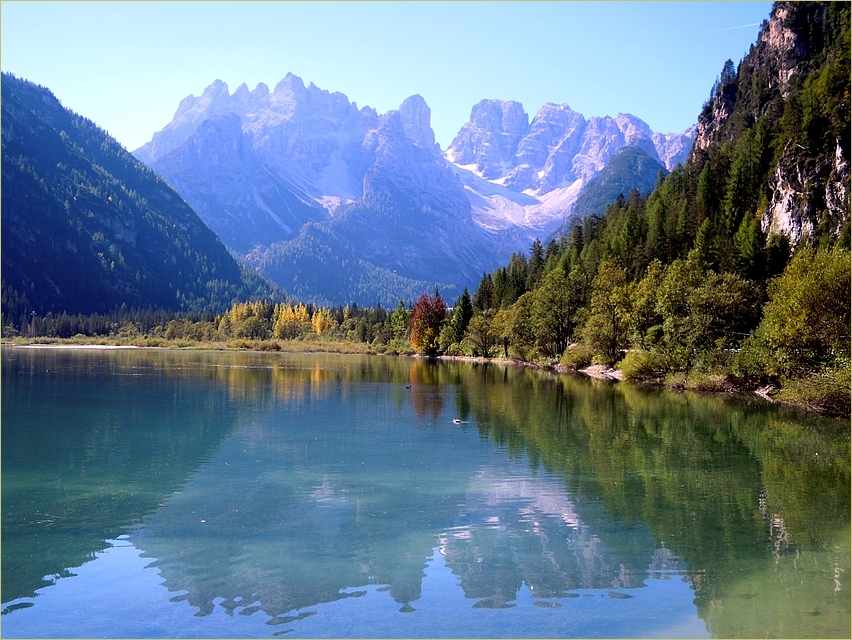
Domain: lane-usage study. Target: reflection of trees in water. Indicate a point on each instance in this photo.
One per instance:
(735, 488)
(722, 484)
(427, 397)
(91, 444)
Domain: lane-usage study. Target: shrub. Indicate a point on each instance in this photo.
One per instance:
(826, 391)
(644, 365)
(521, 352)
(714, 361)
(808, 314)
(577, 356)
(267, 345)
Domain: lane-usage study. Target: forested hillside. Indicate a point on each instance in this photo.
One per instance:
(632, 168)
(737, 263)
(87, 228)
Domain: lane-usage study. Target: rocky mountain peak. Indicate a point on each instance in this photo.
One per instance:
(242, 94)
(491, 137)
(216, 89)
(192, 106)
(260, 91)
(633, 128)
(499, 116)
(290, 84)
(416, 121)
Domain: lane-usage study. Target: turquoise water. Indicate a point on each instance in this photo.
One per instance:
(200, 494)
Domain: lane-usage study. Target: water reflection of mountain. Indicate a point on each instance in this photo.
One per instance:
(300, 507)
(91, 442)
(615, 484)
(522, 529)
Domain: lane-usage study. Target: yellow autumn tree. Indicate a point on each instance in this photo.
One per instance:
(322, 321)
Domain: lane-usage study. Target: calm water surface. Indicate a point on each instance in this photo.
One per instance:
(181, 494)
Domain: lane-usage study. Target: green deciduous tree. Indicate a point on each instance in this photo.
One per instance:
(519, 326)
(481, 338)
(555, 305)
(806, 321)
(606, 328)
(399, 321)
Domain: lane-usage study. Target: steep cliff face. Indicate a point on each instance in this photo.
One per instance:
(491, 136)
(416, 120)
(808, 195)
(558, 148)
(794, 83)
(219, 172)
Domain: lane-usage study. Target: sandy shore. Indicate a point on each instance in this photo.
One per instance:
(72, 346)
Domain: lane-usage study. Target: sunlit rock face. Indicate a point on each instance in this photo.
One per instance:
(809, 184)
(263, 168)
(557, 148)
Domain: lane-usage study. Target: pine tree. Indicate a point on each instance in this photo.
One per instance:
(461, 316)
(483, 297)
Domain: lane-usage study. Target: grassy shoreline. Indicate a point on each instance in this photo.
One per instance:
(805, 394)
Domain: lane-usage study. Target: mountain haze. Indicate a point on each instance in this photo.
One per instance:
(300, 175)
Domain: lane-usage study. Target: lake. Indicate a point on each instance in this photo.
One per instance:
(150, 493)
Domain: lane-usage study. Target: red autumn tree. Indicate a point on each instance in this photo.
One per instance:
(426, 322)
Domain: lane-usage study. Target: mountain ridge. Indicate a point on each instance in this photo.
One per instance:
(88, 228)
(268, 163)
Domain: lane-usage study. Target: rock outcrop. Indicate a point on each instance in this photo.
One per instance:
(559, 146)
(797, 48)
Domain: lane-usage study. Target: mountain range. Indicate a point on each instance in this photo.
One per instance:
(337, 203)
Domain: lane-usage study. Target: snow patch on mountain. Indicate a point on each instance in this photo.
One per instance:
(549, 160)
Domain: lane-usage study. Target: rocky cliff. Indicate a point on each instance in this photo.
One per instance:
(559, 146)
(794, 84)
(259, 167)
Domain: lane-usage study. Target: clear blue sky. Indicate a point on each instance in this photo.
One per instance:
(127, 65)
